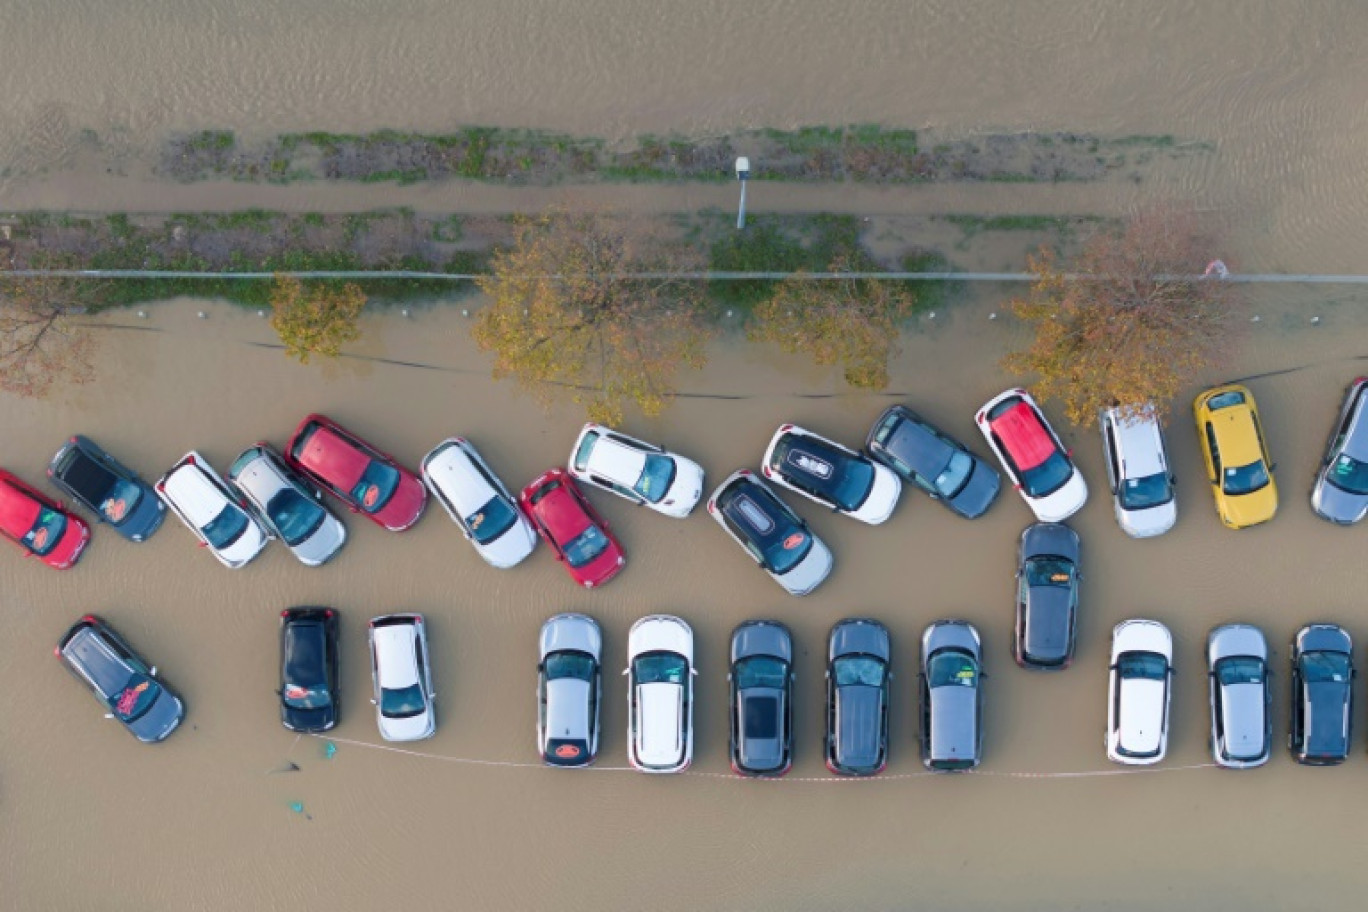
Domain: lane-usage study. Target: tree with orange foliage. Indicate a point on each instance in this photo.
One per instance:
(315, 319)
(1131, 322)
(562, 317)
(40, 341)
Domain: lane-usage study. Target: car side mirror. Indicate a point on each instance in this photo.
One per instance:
(152, 672)
(625, 670)
(109, 715)
(1273, 467)
(694, 671)
(372, 701)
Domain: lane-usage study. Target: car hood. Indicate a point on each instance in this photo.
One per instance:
(71, 545)
(1149, 522)
(1236, 640)
(509, 549)
(659, 740)
(760, 754)
(1142, 718)
(161, 718)
(1046, 539)
(413, 728)
(323, 544)
(1245, 721)
(145, 519)
(686, 490)
(247, 546)
(1336, 504)
(954, 723)
(859, 727)
(1251, 509)
(761, 639)
(320, 719)
(849, 638)
(1046, 637)
(567, 710)
(576, 632)
(1063, 503)
(405, 506)
(883, 496)
(978, 492)
(809, 572)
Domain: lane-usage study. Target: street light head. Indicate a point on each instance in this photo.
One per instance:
(742, 168)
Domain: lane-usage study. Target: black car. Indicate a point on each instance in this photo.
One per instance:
(1047, 596)
(308, 669)
(129, 689)
(938, 464)
(1322, 695)
(761, 681)
(98, 482)
(858, 653)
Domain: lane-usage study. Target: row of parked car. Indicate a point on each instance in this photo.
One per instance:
(660, 704)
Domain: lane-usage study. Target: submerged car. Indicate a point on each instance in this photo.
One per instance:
(771, 533)
(834, 476)
(569, 688)
(641, 472)
(212, 511)
(39, 525)
(369, 481)
(580, 538)
(1048, 577)
(951, 689)
(858, 653)
(401, 678)
(1142, 485)
(287, 505)
(309, 690)
(1340, 494)
(1236, 456)
(128, 688)
(1139, 693)
(761, 689)
(98, 482)
(938, 464)
(1032, 455)
(1241, 698)
(660, 672)
(477, 501)
(1322, 695)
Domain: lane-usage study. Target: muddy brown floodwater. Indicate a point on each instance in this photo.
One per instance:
(90, 819)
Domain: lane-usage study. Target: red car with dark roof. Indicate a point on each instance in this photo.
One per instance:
(369, 481)
(1033, 456)
(40, 526)
(576, 533)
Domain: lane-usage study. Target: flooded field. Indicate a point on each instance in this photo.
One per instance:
(204, 821)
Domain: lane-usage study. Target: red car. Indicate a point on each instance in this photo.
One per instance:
(368, 481)
(580, 538)
(40, 525)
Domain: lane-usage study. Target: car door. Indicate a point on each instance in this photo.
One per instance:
(1109, 446)
(924, 705)
(1213, 455)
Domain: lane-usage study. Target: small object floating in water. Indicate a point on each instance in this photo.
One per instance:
(992, 316)
(202, 315)
(931, 315)
(1255, 319)
(1315, 321)
(729, 313)
(261, 313)
(465, 312)
(404, 312)
(143, 314)
(297, 807)
(329, 750)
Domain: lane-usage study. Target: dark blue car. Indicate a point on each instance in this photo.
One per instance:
(858, 653)
(308, 669)
(761, 681)
(116, 495)
(1322, 695)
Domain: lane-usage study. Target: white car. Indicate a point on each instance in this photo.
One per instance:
(1138, 472)
(212, 511)
(641, 472)
(287, 506)
(1140, 688)
(569, 690)
(401, 678)
(772, 534)
(660, 673)
(834, 476)
(1032, 455)
(477, 501)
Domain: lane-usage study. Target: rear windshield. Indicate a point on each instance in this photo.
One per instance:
(1147, 665)
(46, 532)
(1225, 400)
(492, 520)
(862, 671)
(376, 486)
(661, 668)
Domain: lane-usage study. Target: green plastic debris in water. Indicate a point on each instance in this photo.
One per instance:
(329, 750)
(297, 807)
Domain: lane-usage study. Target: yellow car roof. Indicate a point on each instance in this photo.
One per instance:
(1234, 427)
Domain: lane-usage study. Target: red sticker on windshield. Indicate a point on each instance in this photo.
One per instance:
(40, 538)
(566, 751)
(371, 496)
(793, 541)
(115, 509)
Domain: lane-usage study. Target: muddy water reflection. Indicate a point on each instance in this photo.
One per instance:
(202, 822)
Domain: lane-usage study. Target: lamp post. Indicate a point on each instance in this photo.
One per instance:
(742, 174)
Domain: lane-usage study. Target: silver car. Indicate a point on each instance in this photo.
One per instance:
(1241, 721)
(569, 688)
(287, 506)
(951, 696)
(1340, 494)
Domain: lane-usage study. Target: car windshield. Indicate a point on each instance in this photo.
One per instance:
(224, 529)
(761, 671)
(577, 665)
(1148, 665)
(402, 702)
(1047, 477)
(46, 531)
(1239, 670)
(955, 473)
(1049, 571)
(859, 670)
(1142, 493)
(376, 486)
(661, 668)
(295, 516)
(655, 477)
(121, 500)
(300, 697)
(492, 520)
(1245, 479)
(1324, 667)
(135, 698)
(586, 546)
(952, 668)
(1348, 474)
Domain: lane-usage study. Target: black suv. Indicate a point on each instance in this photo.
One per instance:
(120, 679)
(114, 494)
(308, 669)
(1322, 695)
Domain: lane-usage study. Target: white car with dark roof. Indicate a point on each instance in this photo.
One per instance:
(477, 501)
(641, 472)
(832, 475)
(773, 535)
(212, 511)
(660, 672)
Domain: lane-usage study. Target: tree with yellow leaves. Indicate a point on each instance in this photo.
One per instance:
(40, 340)
(562, 317)
(1131, 323)
(316, 319)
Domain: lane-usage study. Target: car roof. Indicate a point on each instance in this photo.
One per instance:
(83, 473)
(804, 454)
(616, 461)
(194, 493)
(1139, 444)
(1142, 714)
(395, 654)
(917, 444)
(755, 511)
(660, 728)
(261, 475)
(333, 456)
(305, 648)
(561, 511)
(89, 648)
(1234, 427)
(453, 470)
(1356, 442)
(954, 723)
(568, 713)
(1022, 432)
(18, 508)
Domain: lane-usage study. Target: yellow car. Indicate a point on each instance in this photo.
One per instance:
(1237, 463)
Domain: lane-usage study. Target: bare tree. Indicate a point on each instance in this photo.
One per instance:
(40, 341)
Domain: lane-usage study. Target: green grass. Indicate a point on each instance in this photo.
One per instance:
(212, 141)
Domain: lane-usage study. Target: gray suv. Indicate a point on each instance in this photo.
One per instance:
(951, 688)
(1241, 700)
(120, 679)
(761, 684)
(858, 652)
